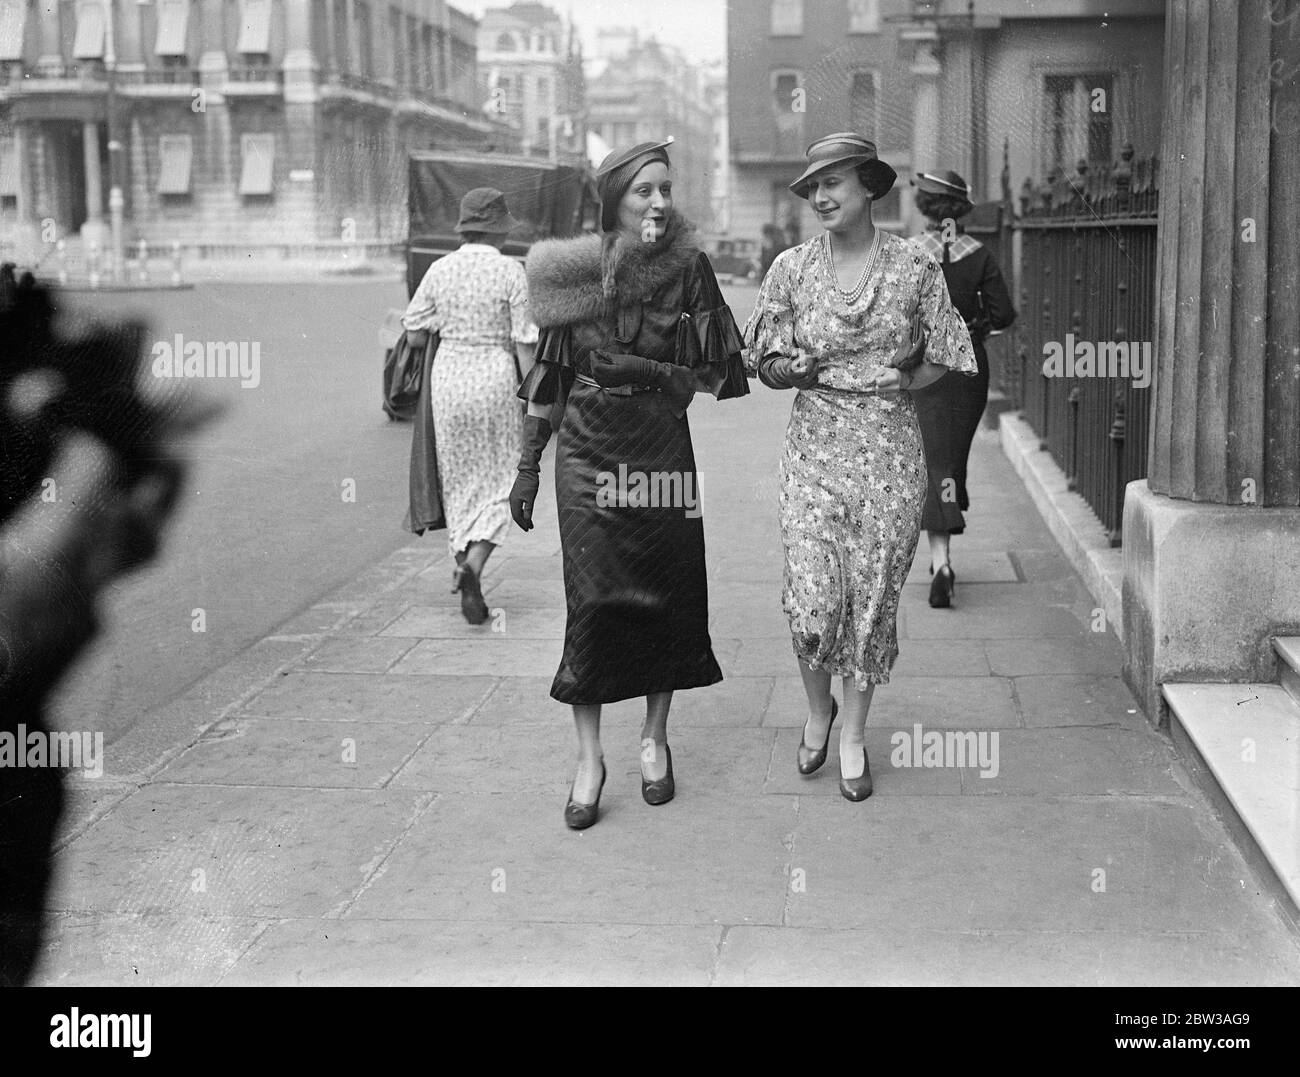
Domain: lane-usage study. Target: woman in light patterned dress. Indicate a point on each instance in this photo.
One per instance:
(477, 300)
(832, 320)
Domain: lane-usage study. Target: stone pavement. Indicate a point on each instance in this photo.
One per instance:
(374, 793)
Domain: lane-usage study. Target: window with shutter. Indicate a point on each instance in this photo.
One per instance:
(864, 16)
(173, 21)
(787, 17)
(8, 167)
(255, 28)
(257, 175)
(176, 152)
(89, 41)
(13, 25)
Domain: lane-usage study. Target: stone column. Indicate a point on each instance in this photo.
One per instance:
(301, 94)
(94, 226)
(47, 12)
(1212, 537)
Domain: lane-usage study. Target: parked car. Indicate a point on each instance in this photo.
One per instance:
(733, 260)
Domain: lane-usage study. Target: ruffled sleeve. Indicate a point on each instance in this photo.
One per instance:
(770, 329)
(721, 347)
(947, 340)
(551, 376)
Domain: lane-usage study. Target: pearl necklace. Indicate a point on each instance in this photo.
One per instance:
(873, 256)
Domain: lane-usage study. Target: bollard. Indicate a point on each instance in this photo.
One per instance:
(142, 249)
(62, 248)
(92, 265)
(176, 263)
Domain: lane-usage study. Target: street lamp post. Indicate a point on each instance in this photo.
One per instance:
(116, 199)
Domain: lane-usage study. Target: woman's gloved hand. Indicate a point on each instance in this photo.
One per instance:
(523, 495)
(417, 338)
(788, 372)
(676, 382)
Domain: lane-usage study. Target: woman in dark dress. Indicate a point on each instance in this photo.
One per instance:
(949, 410)
(632, 324)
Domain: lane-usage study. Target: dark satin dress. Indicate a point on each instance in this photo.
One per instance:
(949, 410)
(634, 575)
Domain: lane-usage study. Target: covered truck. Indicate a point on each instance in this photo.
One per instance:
(547, 198)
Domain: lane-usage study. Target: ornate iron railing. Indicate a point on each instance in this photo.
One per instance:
(1083, 346)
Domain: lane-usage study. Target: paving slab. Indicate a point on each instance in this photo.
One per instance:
(1018, 863)
(1072, 762)
(142, 949)
(975, 566)
(1049, 701)
(978, 617)
(196, 851)
(487, 653)
(359, 655)
(1024, 657)
(920, 958)
(948, 658)
(433, 622)
(408, 953)
(701, 860)
(302, 753)
(369, 697)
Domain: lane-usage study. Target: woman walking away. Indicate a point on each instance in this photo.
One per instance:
(632, 324)
(950, 410)
(832, 320)
(477, 300)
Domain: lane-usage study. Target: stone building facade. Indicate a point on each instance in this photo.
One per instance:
(241, 122)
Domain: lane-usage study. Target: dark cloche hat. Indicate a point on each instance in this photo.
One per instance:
(617, 171)
(484, 210)
(945, 182)
(841, 148)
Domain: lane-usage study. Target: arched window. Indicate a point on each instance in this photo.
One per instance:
(506, 42)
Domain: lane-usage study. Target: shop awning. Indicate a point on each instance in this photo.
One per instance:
(258, 173)
(175, 152)
(173, 20)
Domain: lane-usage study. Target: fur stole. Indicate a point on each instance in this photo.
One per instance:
(565, 276)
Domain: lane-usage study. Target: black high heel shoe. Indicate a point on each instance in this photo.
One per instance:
(662, 790)
(472, 606)
(580, 816)
(813, 762)
(860, 788)
(941, 588)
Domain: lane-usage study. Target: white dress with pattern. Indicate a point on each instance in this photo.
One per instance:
(477, 299)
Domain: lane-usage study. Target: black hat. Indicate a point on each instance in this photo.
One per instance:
(946, 183)
(616, 173)
(484, 210)
(842, 148)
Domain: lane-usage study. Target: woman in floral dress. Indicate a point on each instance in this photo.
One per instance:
(832, 320)
(477, 300)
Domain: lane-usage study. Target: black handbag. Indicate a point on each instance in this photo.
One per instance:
(403, 374)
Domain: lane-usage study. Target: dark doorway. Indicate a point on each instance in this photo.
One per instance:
(68, 173)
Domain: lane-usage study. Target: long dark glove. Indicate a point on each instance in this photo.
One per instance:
(523, 495)
(777, 372)
(610, 370)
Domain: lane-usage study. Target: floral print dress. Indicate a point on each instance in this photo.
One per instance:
(477, 299)
(853, 475)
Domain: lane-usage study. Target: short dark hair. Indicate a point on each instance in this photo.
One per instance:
(475, 237)
(864, 177)
(939, 207)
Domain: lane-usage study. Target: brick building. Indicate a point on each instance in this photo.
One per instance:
(799, 69)
(241, 121)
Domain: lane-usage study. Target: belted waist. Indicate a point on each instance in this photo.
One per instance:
(616, 390)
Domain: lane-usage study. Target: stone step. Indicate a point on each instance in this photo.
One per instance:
(1288, 666)
(1242, 744)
